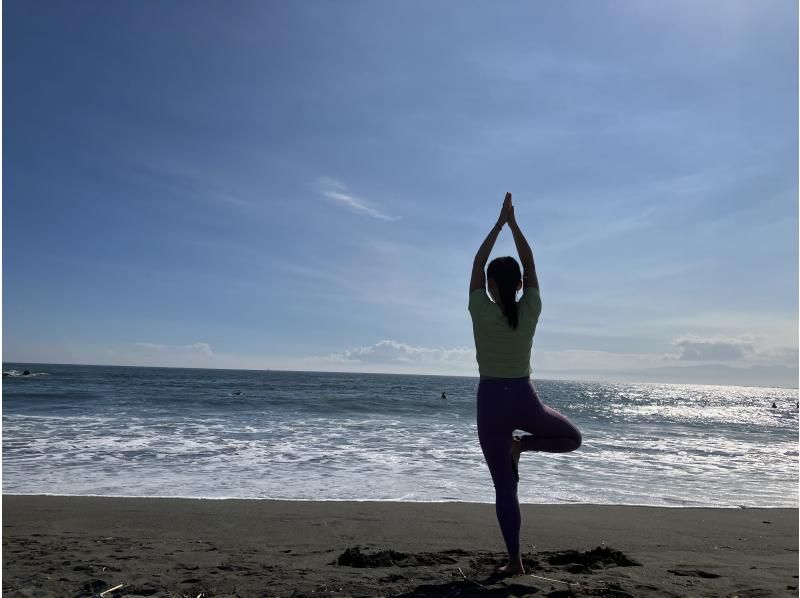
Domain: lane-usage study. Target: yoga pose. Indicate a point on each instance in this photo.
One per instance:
(507, 399)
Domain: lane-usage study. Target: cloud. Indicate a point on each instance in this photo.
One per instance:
(764, 367)
(327, 182)
(745, 361)
(695, 348)
(781, 328)
(140, 354)
(338, 192)
(390, 355)
(194, 348)
(189, 184)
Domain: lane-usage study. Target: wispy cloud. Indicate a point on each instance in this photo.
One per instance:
(386, 273)
(338, 192)
(189, 184)
(587, 231)
(193, 348)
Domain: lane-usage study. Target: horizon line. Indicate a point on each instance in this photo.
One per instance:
(600, 380)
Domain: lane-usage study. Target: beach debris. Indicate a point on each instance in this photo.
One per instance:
(109, 590)
(471, 580)
(572, 585)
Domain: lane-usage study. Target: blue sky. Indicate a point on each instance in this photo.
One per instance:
(304, 185)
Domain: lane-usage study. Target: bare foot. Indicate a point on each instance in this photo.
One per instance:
(510, 569)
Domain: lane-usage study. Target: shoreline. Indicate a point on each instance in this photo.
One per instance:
(56, 545)
(383, 500)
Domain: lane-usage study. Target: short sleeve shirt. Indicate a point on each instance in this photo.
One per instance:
(502, 351)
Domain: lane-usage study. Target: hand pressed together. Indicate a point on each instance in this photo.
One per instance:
(506, 212)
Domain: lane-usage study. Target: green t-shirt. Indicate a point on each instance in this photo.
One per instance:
(502, 351)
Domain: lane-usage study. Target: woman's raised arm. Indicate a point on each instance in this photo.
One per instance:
(529, 278)
(478, 278)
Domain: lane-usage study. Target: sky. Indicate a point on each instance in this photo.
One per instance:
(304, 185)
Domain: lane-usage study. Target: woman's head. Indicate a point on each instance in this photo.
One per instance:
(504, 279)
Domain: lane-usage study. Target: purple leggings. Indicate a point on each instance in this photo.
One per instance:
(509, 404)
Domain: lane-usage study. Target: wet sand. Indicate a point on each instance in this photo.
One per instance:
(83, 546)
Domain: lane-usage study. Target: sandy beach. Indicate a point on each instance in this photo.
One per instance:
(84, 546)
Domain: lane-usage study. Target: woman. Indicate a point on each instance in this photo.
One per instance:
(507, 400)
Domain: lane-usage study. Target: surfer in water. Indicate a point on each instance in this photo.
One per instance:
(444, 396)
(503, 329)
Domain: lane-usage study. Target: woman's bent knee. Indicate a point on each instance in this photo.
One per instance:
(577, 439)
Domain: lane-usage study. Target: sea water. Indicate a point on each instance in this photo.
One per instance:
(131, 431)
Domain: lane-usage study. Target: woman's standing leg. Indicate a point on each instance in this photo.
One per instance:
(494, 433)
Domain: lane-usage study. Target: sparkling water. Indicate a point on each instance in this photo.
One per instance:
(127, 431)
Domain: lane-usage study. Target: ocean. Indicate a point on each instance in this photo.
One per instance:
(134, 431)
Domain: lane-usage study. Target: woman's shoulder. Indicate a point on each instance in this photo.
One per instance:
(530, 295)
(531, 299)
(478, 299)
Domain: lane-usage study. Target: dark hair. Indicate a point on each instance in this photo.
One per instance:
(506, 274)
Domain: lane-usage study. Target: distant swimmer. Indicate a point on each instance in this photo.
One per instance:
(238, 393)
(26, 373)
(774, 406)
(444, 396)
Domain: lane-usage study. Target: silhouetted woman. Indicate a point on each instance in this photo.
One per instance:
(507, 399)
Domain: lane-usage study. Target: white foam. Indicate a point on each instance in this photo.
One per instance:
(631, 445)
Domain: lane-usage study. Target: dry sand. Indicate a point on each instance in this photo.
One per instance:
(82, 546)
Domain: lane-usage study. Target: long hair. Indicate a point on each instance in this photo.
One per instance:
(506, 274)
